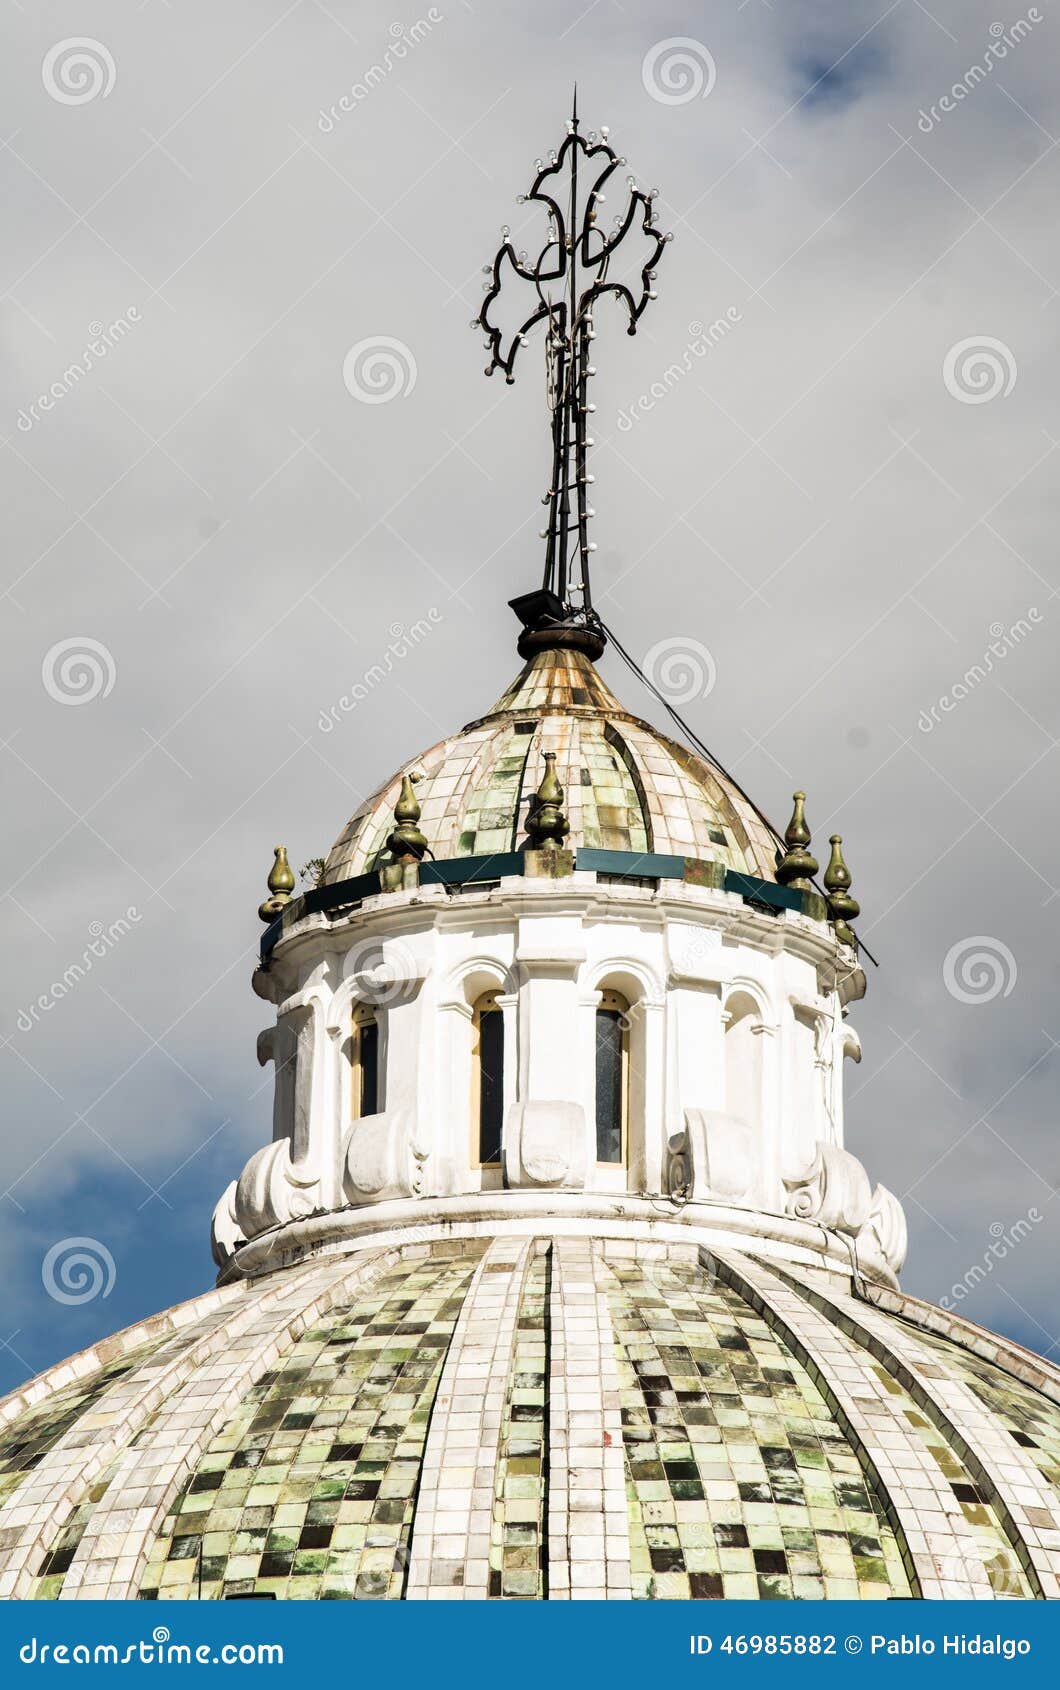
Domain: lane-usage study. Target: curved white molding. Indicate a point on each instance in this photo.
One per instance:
(272, 1190)
(751, 986)
(651, 981)
(850, 1044)
(717, 1153)
(522, 1213)
(454, 991)
(383, 1158)
(226, 1234)
(544, 1145)
(834, 1191)
(885, 1234)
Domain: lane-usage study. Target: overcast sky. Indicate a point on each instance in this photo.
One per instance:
(212, 536)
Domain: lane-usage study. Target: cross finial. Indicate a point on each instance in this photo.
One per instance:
(569, 276)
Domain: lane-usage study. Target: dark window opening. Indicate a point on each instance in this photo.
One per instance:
(366, 1099)
(490, 1084)
(370, 1068)
(611, 1049)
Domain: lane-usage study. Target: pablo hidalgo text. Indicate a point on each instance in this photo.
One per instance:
(954, 1643)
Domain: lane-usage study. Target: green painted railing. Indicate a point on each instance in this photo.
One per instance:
(616, 865)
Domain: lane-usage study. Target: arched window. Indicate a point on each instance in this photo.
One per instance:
(743, 1059)
(612, 1078)
(365, 1099)
(487, 1080)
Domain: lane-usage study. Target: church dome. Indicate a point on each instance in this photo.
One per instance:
(536, 1417)
(628, 787)
(555, 1277)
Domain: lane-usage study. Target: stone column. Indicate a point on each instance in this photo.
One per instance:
(549, 956)
(647, 1100)
(772, 1126)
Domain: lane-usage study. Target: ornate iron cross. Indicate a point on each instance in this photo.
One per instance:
(568, 276)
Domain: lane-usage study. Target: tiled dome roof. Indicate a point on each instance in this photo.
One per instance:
(627, 786)
(536, 1417)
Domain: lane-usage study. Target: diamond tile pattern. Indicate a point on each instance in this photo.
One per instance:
(1030, 1419)
(25, 1444)
(310, 1490)
(741, 1484)
(562, 1417)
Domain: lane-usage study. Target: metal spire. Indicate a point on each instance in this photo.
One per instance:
(568, 276)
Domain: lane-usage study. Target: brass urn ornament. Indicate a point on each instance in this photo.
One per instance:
(280, 884)
(796, 866)
(842, 907)
(546, 824)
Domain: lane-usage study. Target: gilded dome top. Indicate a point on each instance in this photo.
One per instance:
(645, 1420)
(627, 787)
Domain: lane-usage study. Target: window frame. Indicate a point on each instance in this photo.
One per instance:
(613, 1002)
(487, 1003)
(363, 1017)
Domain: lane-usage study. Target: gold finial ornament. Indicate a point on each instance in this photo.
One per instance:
(546, 824)
(796, 866)
(407, 843)
(280, 884)
(842, 907)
